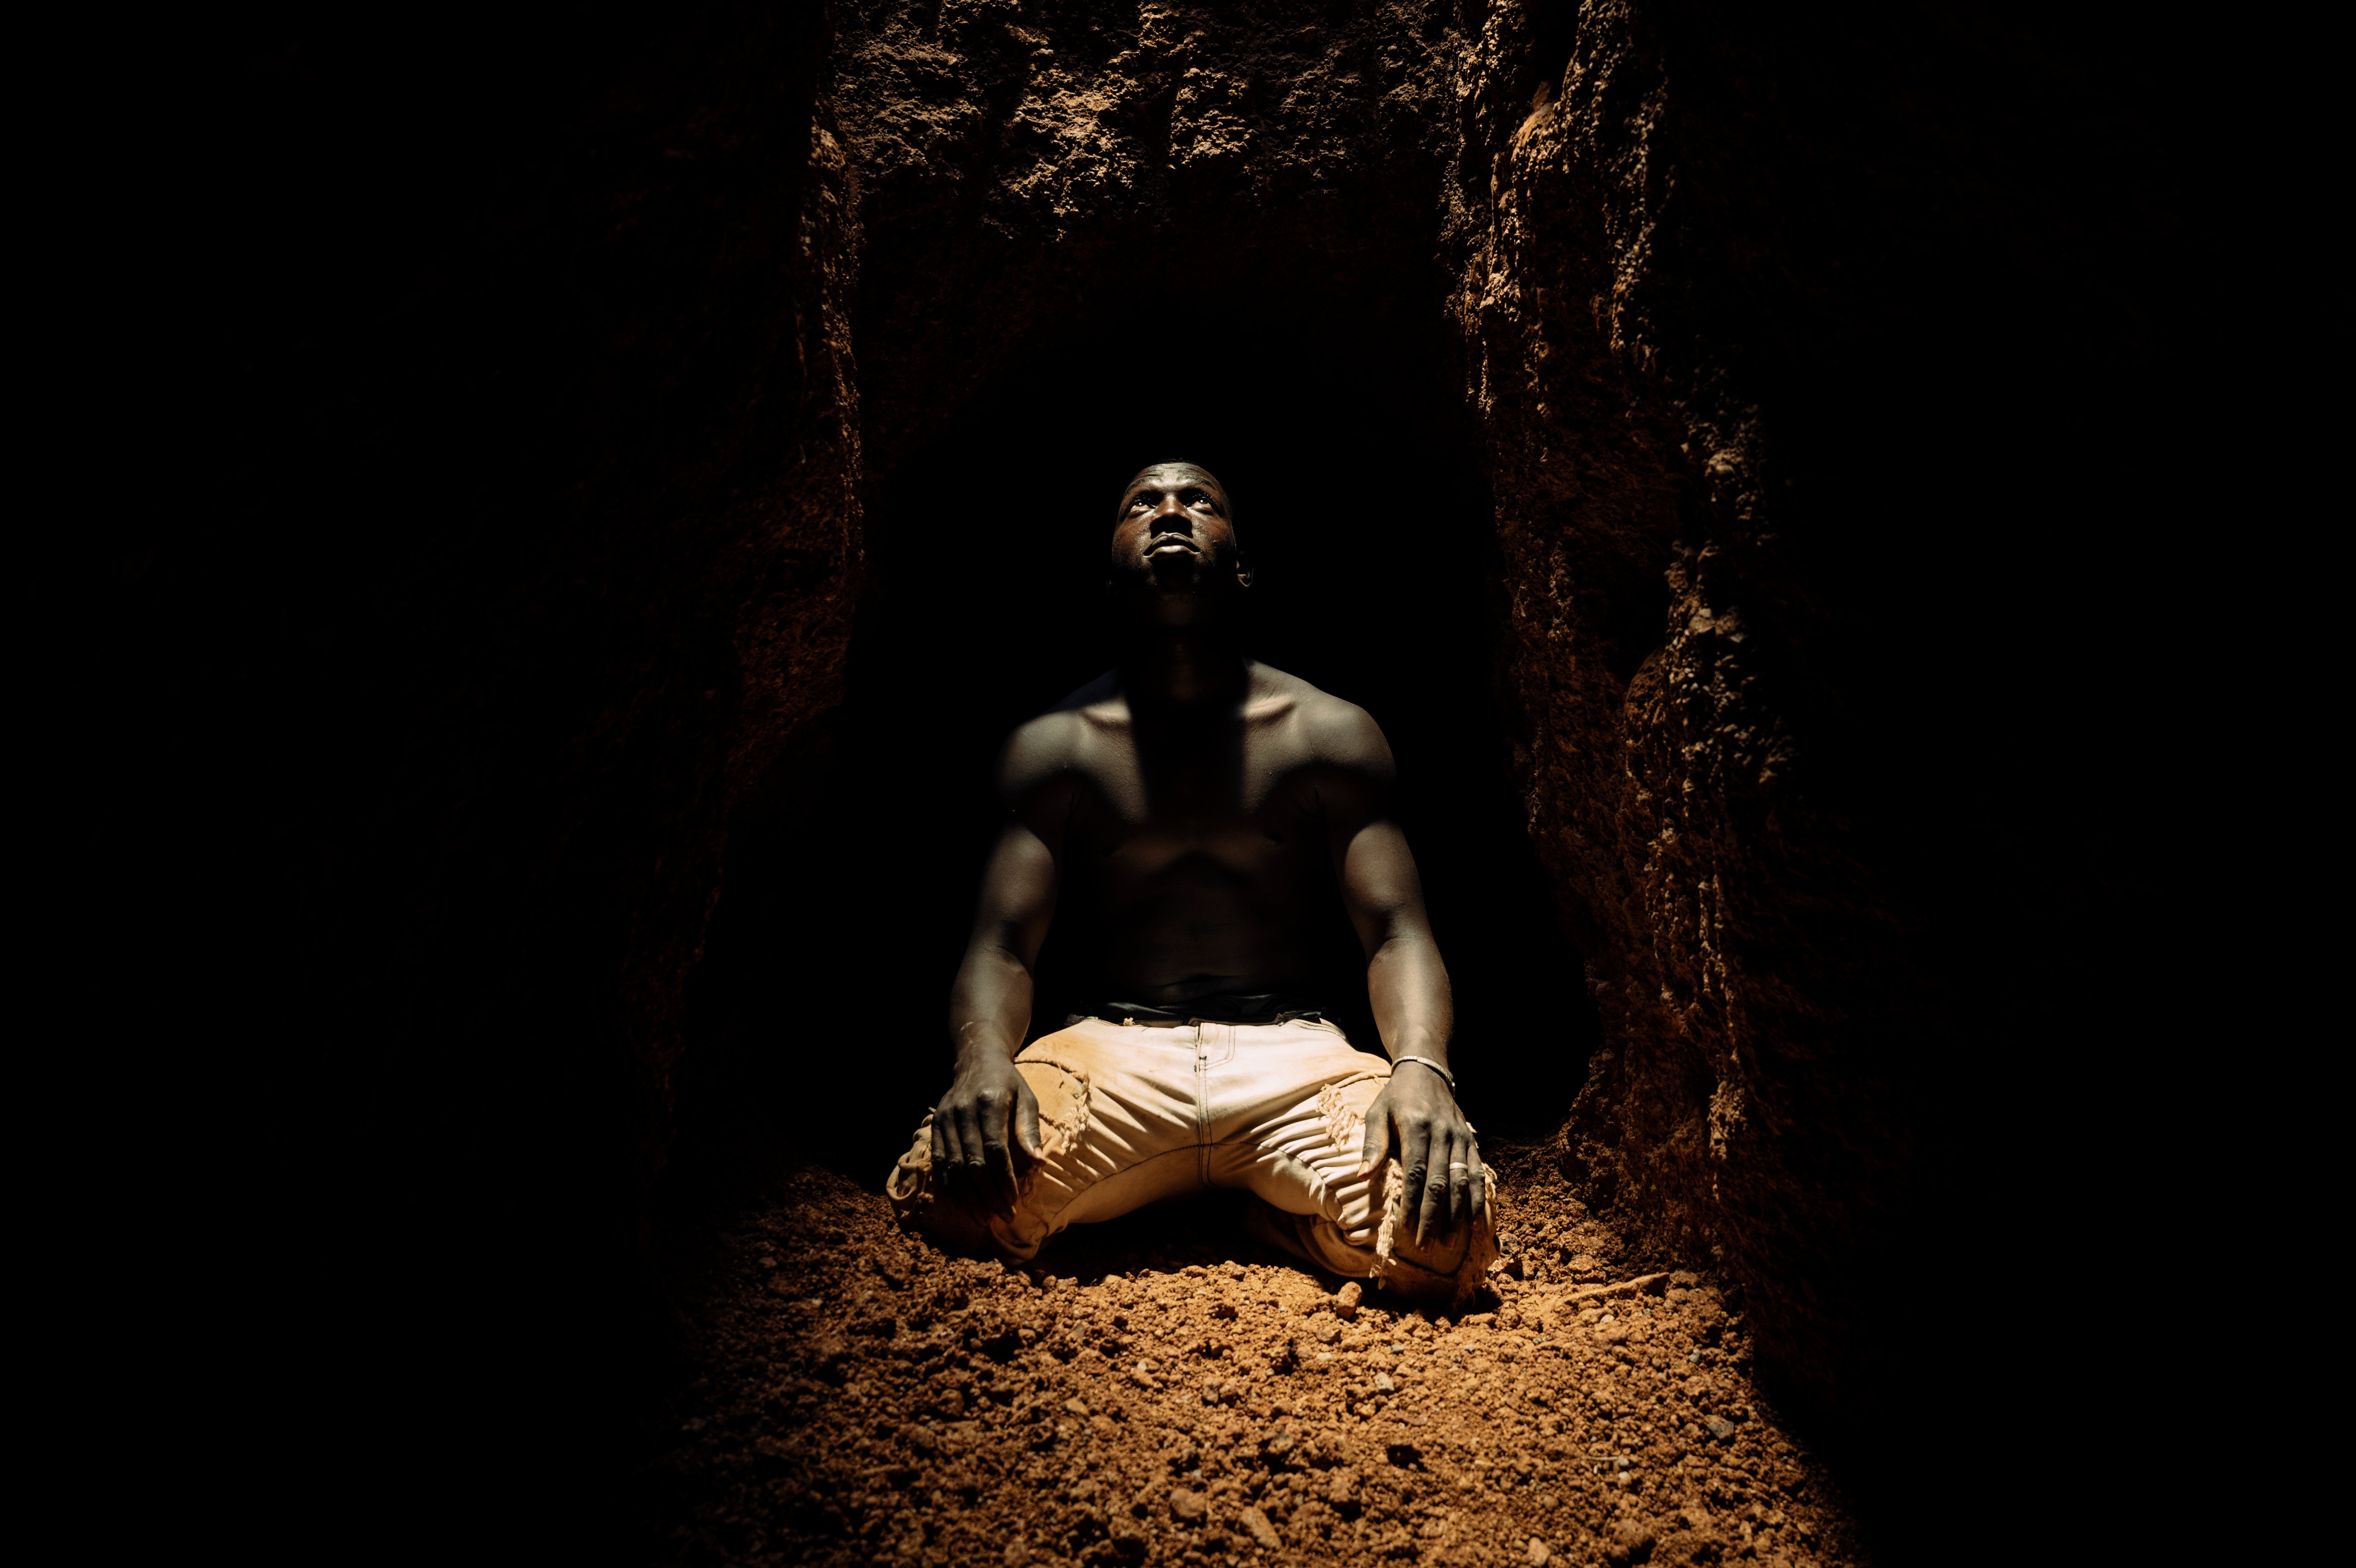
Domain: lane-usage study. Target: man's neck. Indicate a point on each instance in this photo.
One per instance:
(1187, 666)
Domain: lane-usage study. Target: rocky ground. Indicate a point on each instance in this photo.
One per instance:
(1161, 1391)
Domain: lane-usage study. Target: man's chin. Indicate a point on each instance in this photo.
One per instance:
(1185, 610)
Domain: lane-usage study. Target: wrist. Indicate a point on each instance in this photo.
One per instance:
(983, 1045)
(1435, 1065)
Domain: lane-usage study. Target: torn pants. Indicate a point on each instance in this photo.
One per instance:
(1132, 1115)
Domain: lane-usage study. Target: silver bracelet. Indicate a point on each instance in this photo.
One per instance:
(1427, 1062)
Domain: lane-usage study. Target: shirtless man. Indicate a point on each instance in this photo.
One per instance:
(1195, 789)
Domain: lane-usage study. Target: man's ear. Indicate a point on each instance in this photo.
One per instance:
(1243, 576)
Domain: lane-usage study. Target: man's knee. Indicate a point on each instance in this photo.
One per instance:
(1438, 1270)
(1439, 1254)
(955, 1228)
(916, 1190)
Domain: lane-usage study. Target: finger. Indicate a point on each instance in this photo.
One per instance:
(1378, 1138)
(998, 1160)
(1479, 1188)
(970, 1147)
(1430, 1180)
(1442, 1185)
(948, 1151)
(1414, 1163)
(1433, 1220)
(1460, 1182)
(1026, 1127)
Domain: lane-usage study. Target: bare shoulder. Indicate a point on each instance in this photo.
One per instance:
(1326, 728)
(1060, 740)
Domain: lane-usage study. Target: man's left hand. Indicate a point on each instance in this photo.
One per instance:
(1415, 1120)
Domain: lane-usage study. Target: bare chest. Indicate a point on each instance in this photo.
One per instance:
(1241, 809)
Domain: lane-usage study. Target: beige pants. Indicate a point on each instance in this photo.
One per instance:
(1133, 1114)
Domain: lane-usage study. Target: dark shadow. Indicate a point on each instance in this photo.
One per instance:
(816, 1025)
(1204, 1231)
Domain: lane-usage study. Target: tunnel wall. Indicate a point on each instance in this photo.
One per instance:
(1795, 339)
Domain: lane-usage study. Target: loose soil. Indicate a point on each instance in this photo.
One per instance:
(1161, 1391)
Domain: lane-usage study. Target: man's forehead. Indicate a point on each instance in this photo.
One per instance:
(1172, 474)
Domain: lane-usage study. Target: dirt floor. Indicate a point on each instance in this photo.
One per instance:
(1161, 1390)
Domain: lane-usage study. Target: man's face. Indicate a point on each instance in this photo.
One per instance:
(1174, 544)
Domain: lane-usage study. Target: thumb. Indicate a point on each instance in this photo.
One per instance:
(1026, 1124)
(1377, 1141)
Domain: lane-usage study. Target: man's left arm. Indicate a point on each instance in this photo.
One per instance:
(1416, 1119)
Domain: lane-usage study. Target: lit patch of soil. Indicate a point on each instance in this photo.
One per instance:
(1160, 1390)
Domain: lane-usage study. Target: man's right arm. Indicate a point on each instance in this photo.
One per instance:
(986, 1129)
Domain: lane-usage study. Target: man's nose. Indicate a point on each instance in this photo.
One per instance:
(1171, 510)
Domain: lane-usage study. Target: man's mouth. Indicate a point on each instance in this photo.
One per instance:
(1162, 542)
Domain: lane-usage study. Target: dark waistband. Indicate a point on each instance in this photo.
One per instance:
(1273, 1007)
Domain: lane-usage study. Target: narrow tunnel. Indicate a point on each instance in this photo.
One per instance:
(1723, 451)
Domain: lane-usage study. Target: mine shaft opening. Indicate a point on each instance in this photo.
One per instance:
(816, 1019)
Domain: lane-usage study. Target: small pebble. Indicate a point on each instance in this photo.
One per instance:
(1631, 1543)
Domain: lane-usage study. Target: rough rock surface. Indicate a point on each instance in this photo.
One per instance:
(1168, 1396)
(1750, 967)
(1018, 164)
(1725, 286)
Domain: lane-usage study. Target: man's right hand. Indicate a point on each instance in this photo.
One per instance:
(986, 1134)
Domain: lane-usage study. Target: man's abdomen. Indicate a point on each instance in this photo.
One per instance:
(1199, 928)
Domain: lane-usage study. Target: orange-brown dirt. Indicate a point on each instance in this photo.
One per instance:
(1160, 1390)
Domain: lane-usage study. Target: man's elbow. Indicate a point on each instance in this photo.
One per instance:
(1004, 951)
(1394, 939)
